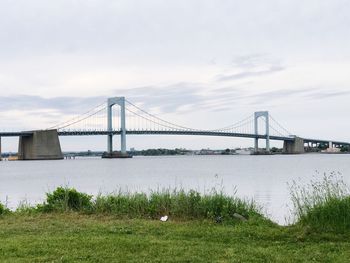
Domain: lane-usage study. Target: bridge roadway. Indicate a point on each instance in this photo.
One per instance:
(15, 134)
(161, 132)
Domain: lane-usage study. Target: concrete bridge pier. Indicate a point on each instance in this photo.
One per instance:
(110, 154)
(110, 103)
(294, 147)
(265, 115)
(0, 150)
(41, 145)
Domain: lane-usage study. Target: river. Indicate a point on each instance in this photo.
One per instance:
(263, 178)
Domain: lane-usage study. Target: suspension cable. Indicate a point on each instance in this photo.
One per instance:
(74, 118)
(154, 116)
(82, 119)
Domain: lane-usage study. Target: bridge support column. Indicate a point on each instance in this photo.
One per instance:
(265, 115)
(110, 103)
(110, 143)
(294, 147)
(0, 150)
(123, 127)
(41, 145)
(109, 129)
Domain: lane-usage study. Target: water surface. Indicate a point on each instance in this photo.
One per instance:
(263, 178)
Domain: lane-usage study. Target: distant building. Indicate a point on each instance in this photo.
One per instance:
(206, 152)
(244, 151)
(332, 150)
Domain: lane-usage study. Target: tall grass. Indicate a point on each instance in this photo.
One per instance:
(66, 199)
(2, 209)
(179, 204)
(323, 205)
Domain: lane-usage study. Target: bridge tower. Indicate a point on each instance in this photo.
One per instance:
(110, 103)
(265, 115)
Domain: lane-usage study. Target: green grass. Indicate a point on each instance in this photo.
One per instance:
(2, 209)
(71, 226)
(73, 237)
(322, 205)
(178, 204)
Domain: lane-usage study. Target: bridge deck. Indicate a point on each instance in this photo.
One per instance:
(160, 132)
(198, 133)
(15, 134)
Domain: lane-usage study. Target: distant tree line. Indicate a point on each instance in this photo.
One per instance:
(160, 151)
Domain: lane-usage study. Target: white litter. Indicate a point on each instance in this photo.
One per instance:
(164, 218)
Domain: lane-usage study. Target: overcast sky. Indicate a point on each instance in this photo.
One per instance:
(197, 63)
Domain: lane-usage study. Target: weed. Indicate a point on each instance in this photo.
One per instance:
(66, 199)
(177, 204)
(322, 205)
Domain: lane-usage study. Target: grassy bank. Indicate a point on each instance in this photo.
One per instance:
(71, 226)
(73, 237)
(177, 204)
(322, 205)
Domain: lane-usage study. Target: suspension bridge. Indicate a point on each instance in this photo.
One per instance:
(120, 117)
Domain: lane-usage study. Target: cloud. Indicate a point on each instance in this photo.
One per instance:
(64, 105)
(252, 61)
(250, 66)
(302, 94)
(281, 95)
(327, 94)
(167, 98)
(249, 74)
(177, 98)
